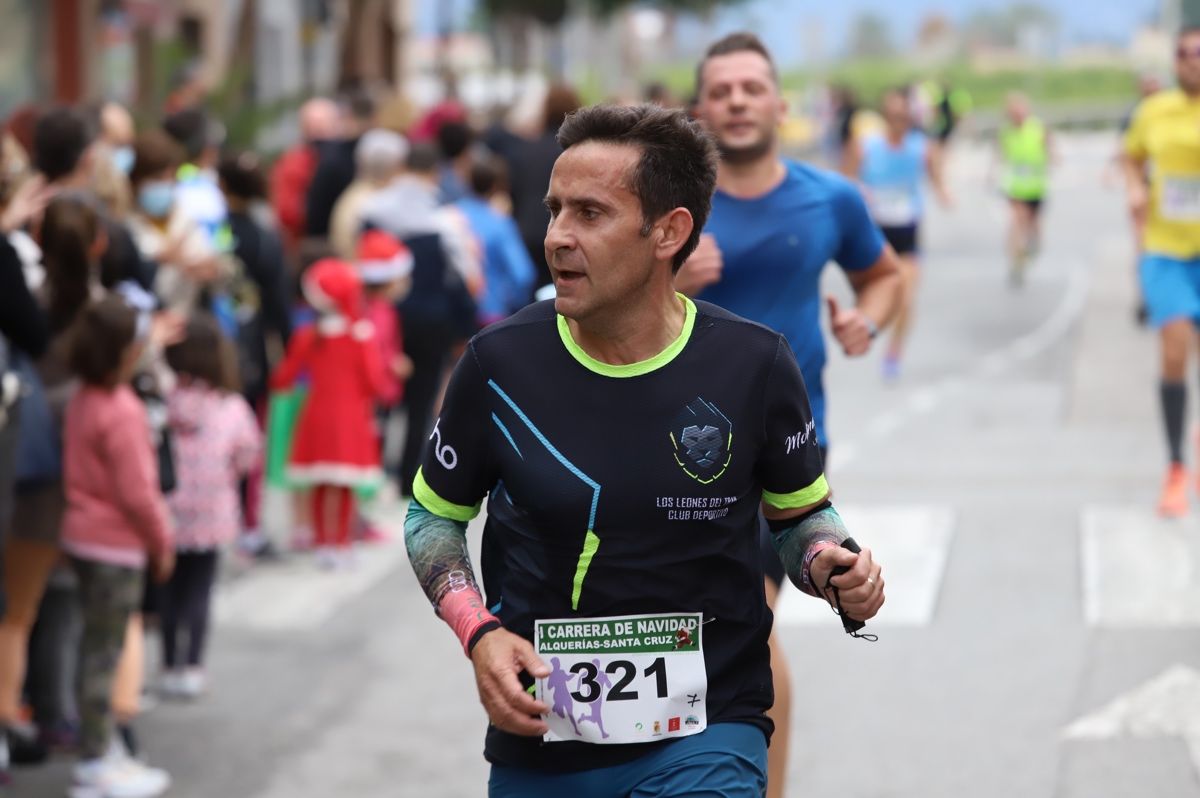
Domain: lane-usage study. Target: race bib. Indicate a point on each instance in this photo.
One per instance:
(1180, 199)
(893, 207)
(1025, 170)
(628, 679)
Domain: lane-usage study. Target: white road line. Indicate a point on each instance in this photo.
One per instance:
(913, 543)
(1139, 570)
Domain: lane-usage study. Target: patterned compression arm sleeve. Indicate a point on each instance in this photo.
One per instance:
(437, 549)
(800, 542)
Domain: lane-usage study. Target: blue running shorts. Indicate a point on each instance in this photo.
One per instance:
(726, 760)
(1171, 288)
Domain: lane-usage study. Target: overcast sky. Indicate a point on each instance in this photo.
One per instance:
(783, 22)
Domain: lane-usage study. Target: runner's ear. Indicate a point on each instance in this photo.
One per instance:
(673, 232)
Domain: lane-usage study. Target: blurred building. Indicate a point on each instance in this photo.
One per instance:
(152, 54)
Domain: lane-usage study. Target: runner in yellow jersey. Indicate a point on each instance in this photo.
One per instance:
(1025, 154)
(1165, 135)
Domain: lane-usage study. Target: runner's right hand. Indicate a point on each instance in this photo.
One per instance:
(702, 268)
(499, 656)
(1139, 202)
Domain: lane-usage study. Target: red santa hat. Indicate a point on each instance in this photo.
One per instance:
(382, 259)
(334, 289)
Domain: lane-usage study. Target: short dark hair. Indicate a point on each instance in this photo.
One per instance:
(99, 340)
(422, 158)
(241, 175)
(193, 131)
(656, 92)
(740, 42)
(206, 354)
(488, 173)
(360, 104)
(60, 138)
(453, 139)
(153, 151)
(678, 163)
(561, 100)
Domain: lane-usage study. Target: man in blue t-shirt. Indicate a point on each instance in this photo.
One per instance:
(775, 223)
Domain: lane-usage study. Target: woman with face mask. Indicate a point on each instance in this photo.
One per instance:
(187, 263)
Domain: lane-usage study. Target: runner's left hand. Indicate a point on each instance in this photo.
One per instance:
(851, 328)
(860, 589)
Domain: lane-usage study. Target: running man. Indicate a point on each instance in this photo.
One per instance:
(890, 166)
(1148, 86)
(775, 224)
(607, 426)
(1165, 137)
(1024, 149)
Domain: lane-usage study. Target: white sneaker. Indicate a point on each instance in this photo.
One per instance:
(193, 683)
(327, 559)
(346, 559)
(115, 775)
(171, 683)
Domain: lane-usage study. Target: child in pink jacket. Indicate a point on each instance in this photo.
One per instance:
(217, 443)
(115, 526)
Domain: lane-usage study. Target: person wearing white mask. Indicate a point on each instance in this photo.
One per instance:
(116, 135)
(187, 261)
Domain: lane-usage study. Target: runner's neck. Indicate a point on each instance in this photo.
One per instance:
(750, 180)
(634, 334)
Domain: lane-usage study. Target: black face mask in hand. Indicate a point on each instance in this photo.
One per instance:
(851, 626)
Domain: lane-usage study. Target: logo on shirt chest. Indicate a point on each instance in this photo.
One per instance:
(702, 440)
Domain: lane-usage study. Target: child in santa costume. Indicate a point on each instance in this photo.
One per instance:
(336, 449)
(385, 266)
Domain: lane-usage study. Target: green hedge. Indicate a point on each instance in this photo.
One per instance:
(869, 79)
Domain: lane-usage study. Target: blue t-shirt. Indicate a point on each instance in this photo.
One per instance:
(774, 248)
(508, 271)
(892, 175)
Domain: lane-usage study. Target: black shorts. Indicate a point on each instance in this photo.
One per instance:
(905, 240)
(1034, 205)
(772, 565)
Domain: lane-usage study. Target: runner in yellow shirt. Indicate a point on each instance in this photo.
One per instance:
(1165, 135)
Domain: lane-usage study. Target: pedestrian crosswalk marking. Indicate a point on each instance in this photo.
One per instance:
(1139, 571)
(911, 543)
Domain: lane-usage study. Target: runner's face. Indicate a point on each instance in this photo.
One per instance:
(1187, 63)
(896, 112)
(740, 104)
(597, 254)
(1017, 111)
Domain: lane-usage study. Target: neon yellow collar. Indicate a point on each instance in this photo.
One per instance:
(632, 369)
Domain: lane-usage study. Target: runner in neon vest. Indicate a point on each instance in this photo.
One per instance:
(1024, 144)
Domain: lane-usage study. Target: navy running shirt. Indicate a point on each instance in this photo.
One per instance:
(774, 248)
(626, 490)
